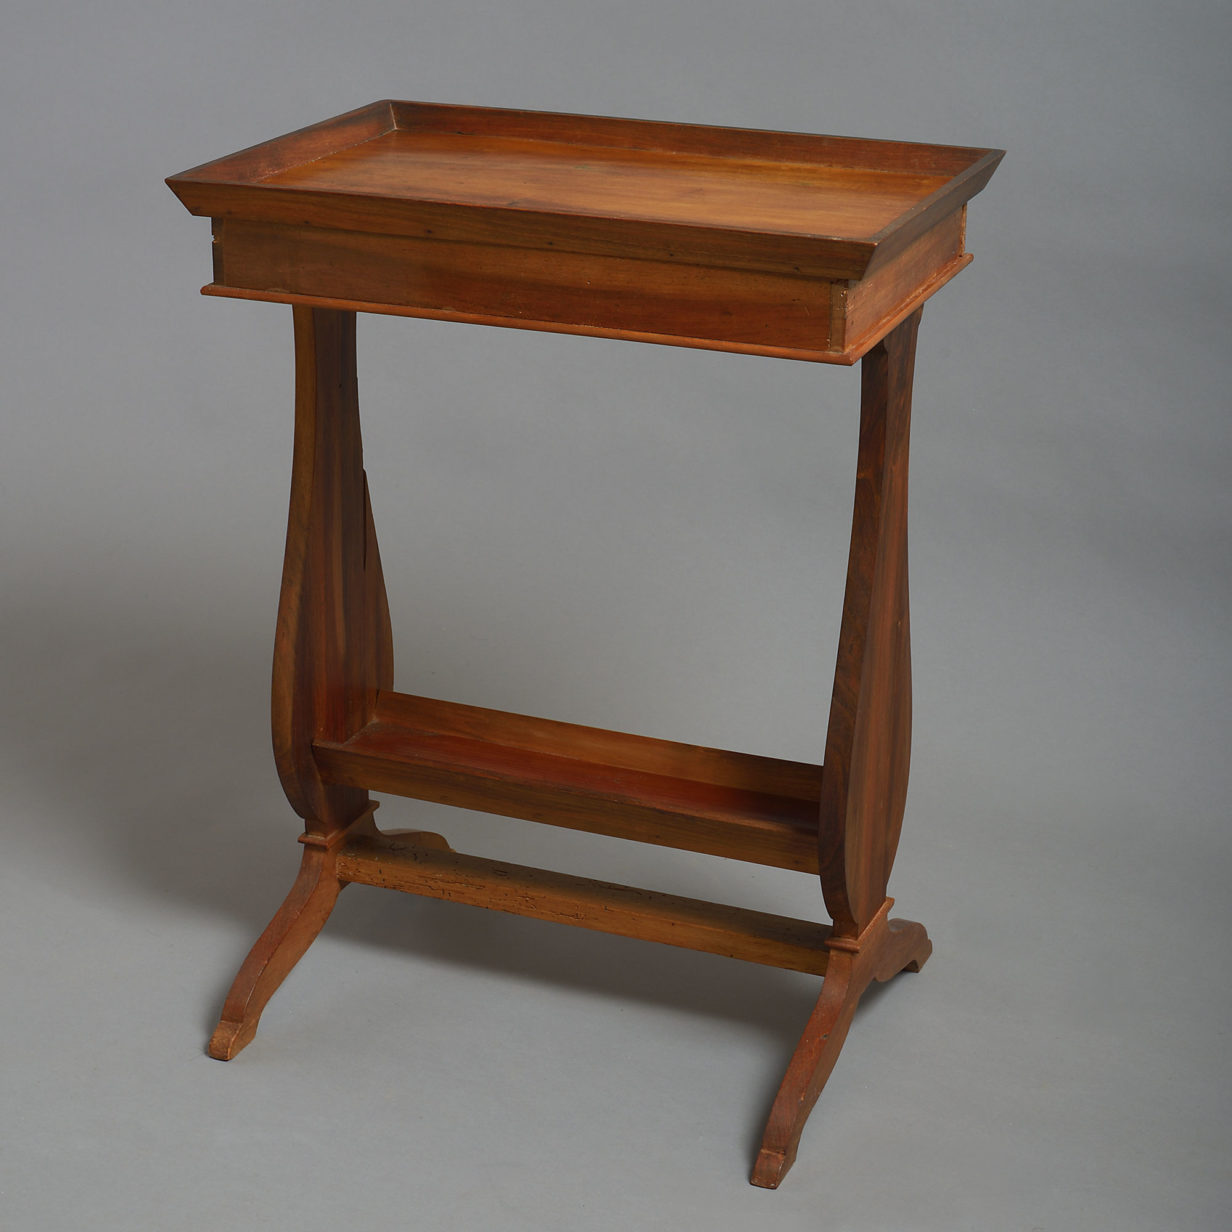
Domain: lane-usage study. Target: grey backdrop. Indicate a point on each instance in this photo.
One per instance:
(646, 539)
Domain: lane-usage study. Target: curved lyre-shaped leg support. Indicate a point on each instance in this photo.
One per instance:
(884, 949)
(868, 740)
(332, 653)
(868, 750)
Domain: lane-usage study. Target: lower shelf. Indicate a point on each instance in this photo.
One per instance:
(758, 809)
(734, 932)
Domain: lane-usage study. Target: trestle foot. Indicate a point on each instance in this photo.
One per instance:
(287, 936)
(885, 948)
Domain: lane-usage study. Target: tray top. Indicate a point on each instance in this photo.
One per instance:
(786, 202)
(597, 180)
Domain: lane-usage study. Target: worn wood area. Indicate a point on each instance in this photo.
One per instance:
(868, 740)
(400, 863)
(757, 809)
(333, 647)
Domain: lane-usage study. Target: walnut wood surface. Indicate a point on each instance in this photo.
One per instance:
(749, 199)
(401, 863)
(757, 809)
(648, 300)
(618, 750)
(585, 177)
(333, 649)
(885, 948)
(283, 943)
(868, 741)
(732, 239)
(536, 287)
(808, 247)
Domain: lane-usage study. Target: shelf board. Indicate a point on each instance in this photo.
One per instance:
(758, 809)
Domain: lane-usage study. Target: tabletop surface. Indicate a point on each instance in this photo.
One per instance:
(603, 181)
(771, 199)
(774, 243)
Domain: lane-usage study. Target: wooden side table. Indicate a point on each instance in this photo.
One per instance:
(805, 247)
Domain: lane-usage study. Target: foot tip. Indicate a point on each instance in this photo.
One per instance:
(921, 957)
(230, 1038)
(770, 1168)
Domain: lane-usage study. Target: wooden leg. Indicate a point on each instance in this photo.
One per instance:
(868, 750)
(292, 930)
(868, 741)
(884, 949)
(295, 927)
(332, 651)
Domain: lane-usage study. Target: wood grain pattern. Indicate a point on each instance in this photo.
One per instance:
(868, 741)
(619, 750)
(584, 177)
(767, 314)
(543, 287)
